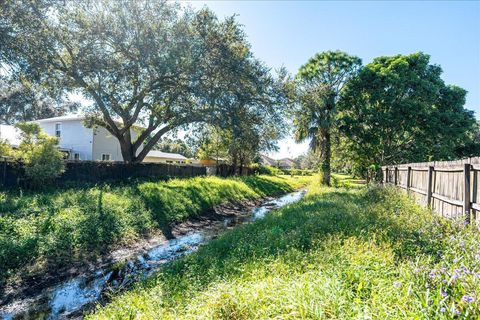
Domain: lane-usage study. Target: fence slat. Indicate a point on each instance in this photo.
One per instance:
(429, 186)
(13, 174)
(466, 192)
(449, 188)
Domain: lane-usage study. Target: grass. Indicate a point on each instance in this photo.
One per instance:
(341, 253)
(55, 228)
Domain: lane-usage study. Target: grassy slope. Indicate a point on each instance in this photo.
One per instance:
(339, 253)
(58, 227)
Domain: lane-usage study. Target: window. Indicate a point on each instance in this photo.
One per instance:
(76, 156)
(105, 157)
(58, 130)
(169, 161)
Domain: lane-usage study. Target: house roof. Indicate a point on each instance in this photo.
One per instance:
(63, 118)
(78, 117)
(11, 134)
(160, 154)
(267, 160)
(287, 162)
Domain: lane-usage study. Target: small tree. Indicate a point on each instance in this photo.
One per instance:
(5, 149)
(40, 155)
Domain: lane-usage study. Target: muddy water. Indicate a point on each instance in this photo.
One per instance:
(70, 298)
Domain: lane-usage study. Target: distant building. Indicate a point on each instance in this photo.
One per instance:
(212, 162)
(165, 157)
(285, 163)
(267, 161)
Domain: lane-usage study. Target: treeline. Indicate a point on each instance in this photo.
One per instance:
(158, 67)
(393, 110)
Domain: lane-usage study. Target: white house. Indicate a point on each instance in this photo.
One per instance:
(82, 143)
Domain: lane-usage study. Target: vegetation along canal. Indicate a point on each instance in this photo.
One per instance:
(70, 298)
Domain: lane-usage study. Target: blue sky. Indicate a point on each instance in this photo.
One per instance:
(288, 33)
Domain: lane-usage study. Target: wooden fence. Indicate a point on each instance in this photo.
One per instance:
(450, 188)
(13, 173)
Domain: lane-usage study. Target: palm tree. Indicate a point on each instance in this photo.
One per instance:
(318, 84)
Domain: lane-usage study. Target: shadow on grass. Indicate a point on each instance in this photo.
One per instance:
(301, 226)
(264, 186)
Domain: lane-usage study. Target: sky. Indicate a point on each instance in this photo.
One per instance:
(288, 33)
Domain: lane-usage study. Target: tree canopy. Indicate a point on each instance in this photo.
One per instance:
(398, 110)
(140, 62)
(174, 146)
(21, 100)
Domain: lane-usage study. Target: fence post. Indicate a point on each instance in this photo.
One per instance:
(466, 192)
(409, 170)
(386, 175)
(4, 171)
(395, 175)
(429, 186)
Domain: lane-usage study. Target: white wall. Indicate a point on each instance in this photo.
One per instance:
(105, 143)
(74, 136)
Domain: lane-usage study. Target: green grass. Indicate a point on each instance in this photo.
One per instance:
(344, 180)
(341, 253)
(57, 227)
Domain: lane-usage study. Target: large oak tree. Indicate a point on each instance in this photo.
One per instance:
(141, 62)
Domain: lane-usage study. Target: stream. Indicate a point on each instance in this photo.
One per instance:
(72, 297)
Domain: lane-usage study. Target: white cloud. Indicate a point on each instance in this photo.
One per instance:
(289, 149)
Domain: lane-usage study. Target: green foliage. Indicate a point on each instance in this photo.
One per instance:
(174, 146)
(39, 153)
(319, 84)
(399, 110)
(298, 172)
(80, 223)
(212, 143)
(339, 253)
(272, 171)
(5, 149)
(21, 100)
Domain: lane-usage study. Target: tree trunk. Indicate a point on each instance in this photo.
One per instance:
(325, 155)
(234, 163)
(126, 148)
(241, 165)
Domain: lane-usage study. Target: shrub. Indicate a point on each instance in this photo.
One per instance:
(40, 155)
(5, 149)
(272, 171)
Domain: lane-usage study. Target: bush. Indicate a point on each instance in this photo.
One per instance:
(40, 155)
(272, 171)
(5, 149)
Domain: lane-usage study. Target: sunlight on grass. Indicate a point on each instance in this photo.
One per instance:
(59, 227)
(340, 253)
